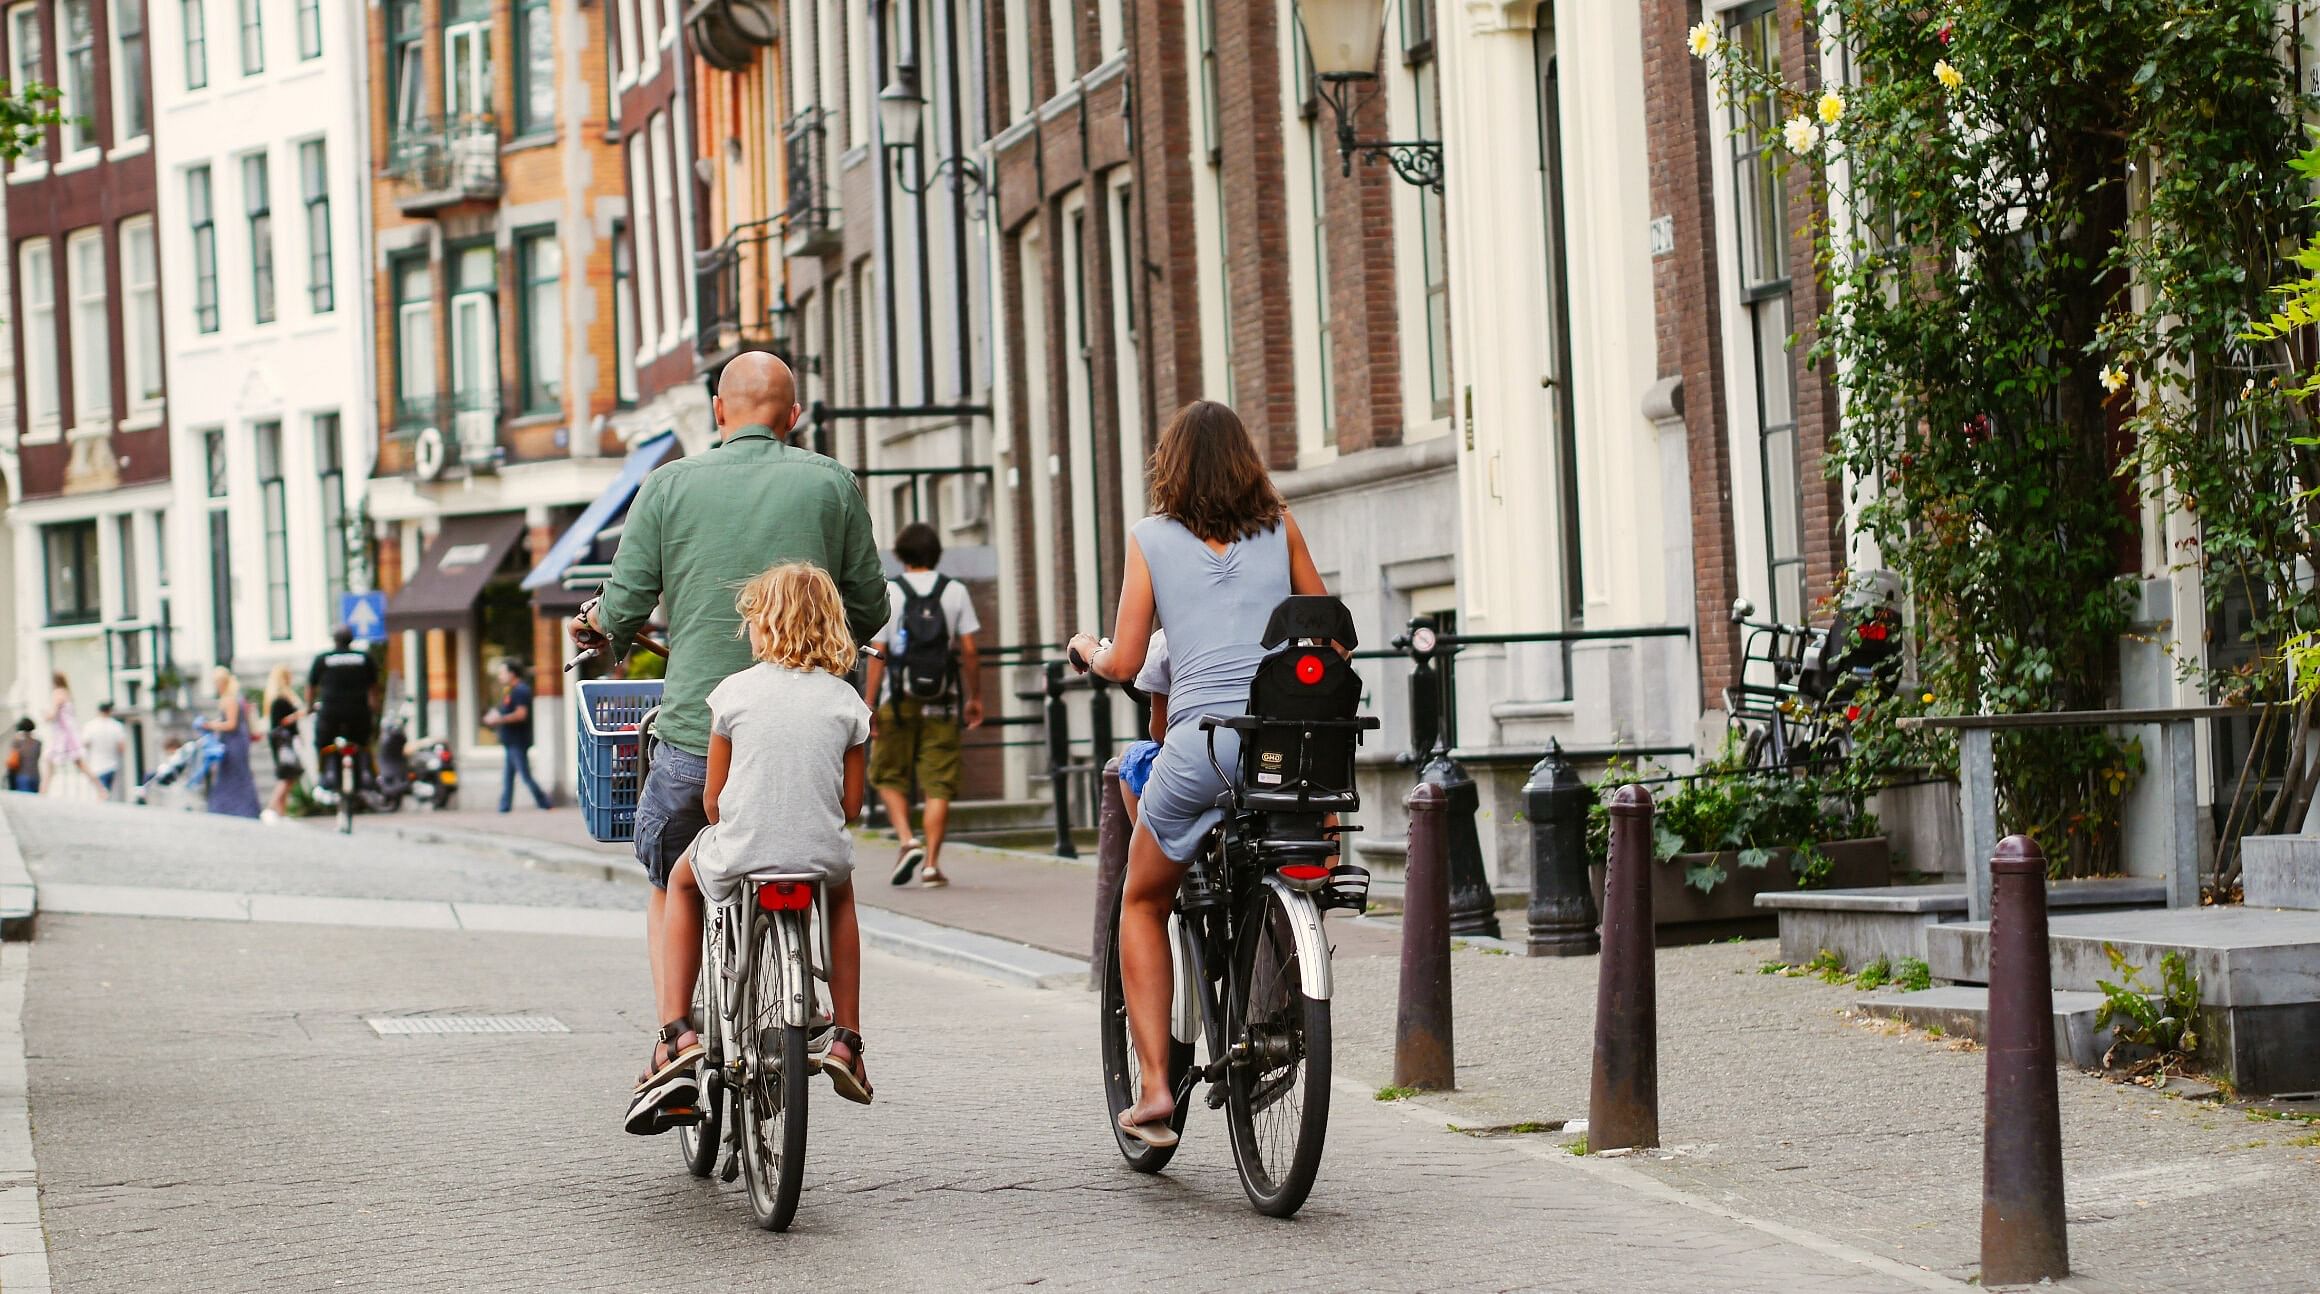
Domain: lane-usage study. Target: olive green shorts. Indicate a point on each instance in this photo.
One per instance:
(912, 737)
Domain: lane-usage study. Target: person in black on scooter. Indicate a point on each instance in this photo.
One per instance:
(342, 690)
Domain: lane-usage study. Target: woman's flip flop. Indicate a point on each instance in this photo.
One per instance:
(1156, 1134)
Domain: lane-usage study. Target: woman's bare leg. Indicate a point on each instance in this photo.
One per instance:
(1147, 971)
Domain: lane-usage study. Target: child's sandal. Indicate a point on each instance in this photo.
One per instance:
(846, 1077)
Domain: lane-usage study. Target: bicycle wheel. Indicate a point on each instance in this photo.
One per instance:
(346, 791)
(1277, 1091)
(697, 1142)
(771, 1099)
(1123, 1077)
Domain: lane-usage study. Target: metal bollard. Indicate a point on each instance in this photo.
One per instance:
(1058, 755)
(1562, 912)
(1623, 1098)
(2024, 1233)
(1111, 863)
(1422, 1049)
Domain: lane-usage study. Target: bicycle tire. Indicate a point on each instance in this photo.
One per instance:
(1122, 1075)
(1755, 749)
(771, 1102)
(346, 793)
(1268, 1011)
(697, 1142)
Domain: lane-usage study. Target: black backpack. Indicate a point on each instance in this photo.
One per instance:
(924, 666)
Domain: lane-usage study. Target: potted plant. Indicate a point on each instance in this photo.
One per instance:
(1725, 834)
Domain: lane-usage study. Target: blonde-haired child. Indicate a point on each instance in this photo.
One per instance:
(785, 777)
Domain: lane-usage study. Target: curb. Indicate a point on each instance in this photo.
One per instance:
(993, 958)
(19, 897)
(539, 855)
(23, 1240)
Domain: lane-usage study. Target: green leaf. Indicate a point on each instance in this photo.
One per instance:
(1705, 877)
(1754, 858)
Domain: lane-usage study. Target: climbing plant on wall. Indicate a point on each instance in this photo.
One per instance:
(2047, 226)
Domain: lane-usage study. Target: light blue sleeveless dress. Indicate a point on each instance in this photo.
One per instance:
(1214, 606)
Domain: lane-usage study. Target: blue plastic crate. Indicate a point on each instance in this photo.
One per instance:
(609, 711)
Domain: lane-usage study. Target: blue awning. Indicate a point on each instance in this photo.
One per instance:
(575, 542)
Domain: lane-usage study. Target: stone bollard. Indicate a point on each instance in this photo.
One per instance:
(1422, 1047)
(2024, 1233)
(1623, 1098)
(1112, 831)
(1562, 911)
(1473, 909)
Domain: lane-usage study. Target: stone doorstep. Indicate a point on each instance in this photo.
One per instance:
(1861, 925)
(1963, 1012)
(2281, 871)
(2244, 957)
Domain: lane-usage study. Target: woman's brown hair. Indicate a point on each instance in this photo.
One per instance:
(1206, 474)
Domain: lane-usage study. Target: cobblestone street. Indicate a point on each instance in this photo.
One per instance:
(212, 1112)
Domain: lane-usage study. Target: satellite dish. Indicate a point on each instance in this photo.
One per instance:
(428, 455)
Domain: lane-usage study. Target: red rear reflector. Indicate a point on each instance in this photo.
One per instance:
(1305, 872)
(785, 896)
(1309, 670)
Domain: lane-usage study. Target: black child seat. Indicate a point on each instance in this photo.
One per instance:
(1297, 746)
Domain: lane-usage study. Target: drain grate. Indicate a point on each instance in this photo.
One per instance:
(390, 1025)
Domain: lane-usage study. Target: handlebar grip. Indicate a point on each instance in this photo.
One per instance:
(1078, 661)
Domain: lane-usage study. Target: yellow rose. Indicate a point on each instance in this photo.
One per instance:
(1949, 77)
(1832, 107)
(1702, 38)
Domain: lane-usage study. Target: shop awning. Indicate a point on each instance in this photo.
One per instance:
(576, 541)
(441, 593)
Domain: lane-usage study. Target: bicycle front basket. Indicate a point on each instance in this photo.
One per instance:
(609, 712)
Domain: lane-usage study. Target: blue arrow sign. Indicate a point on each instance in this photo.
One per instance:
(365, 614)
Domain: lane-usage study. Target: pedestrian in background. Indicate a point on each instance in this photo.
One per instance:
(283, 714)
(24, 759)
(233, 791)
(64, 749)
(513, 718)
(106, 744)
(934, 687)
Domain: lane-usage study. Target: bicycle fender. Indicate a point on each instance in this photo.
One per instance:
(1312, 945)
(797, 987)
(1184, 1012)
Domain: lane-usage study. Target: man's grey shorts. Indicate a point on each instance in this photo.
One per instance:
(668, 813)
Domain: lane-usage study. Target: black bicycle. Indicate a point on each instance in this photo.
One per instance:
(1251, 960)
(1801, 688)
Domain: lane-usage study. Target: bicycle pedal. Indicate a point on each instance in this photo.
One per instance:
(731, 1168)
(1216, 1095)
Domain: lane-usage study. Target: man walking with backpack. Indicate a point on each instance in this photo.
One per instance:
(934, 688)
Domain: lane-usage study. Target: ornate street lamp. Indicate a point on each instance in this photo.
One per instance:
(1343, 38)
(901, 110)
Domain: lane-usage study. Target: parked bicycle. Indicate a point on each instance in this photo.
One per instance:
(1251, 959)
(1802, 689)
(758, 1003)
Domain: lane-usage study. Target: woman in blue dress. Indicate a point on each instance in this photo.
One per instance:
(232, 790)
(1218, 554)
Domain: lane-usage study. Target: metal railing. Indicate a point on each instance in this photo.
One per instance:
(1433, 684)
(445, 160)
(468, 420)
(807, 140)
(744, 299)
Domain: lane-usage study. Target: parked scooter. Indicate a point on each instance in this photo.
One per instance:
(429, 775)
(434, 774)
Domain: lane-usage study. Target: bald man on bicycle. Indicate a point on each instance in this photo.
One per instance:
(699, 529)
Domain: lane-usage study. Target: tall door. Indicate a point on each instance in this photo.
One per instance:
(1555, 357)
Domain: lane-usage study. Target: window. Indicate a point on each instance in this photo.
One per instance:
(1110, 31)
(259, 204)
(253, 37)
(79, 73)
(1063, 35)
(475, 329)
(274, 506)
(205, 267)
(330, 472)
(640, 238)
(141, 320)
(70, 550)
(1433, 247)
(414, 341)
(161, 550)
(535, 68)
(221, 548)
(405, 63)
(309, 29)
(1317, 147)
(623, 313)
(625, 47)
(194, 18)
(24, 69)
(1760, 185)
(215, 482)
(125, 560)
(36, 280)
(665, 221)
(314, 179)
(132, 110)
(92, 352)
(540, 319)
(466, 61)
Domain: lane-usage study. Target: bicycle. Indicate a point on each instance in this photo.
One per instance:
(1251, 959)
(757, 1006)
(1823, 680)
(349, 756)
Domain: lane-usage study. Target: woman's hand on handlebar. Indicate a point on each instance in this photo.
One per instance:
(1081, 652)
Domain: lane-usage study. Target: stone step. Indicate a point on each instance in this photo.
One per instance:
(1964, 1012)
(1892, 921)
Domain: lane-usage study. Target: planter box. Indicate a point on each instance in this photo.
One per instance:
(1680, 911)
(2280, 871)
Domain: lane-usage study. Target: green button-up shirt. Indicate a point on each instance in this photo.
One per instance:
(702, 527)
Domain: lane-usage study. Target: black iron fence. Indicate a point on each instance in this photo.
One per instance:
(744, 300)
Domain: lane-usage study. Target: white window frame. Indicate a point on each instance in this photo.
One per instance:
(92, 356)
(476, 92)
(1063, 40)
(1111, 31)
(625, 48)
(34, 162)
(415, 338)
(69, 103)
(643, 251)
(648, 38)
(667, 229)
(141, 310)
(122, 84)
(42, 382)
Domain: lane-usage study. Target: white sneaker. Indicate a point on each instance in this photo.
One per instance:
(269, 817)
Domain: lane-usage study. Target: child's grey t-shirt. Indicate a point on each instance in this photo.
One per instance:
(1154, 676)
(781, 809)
